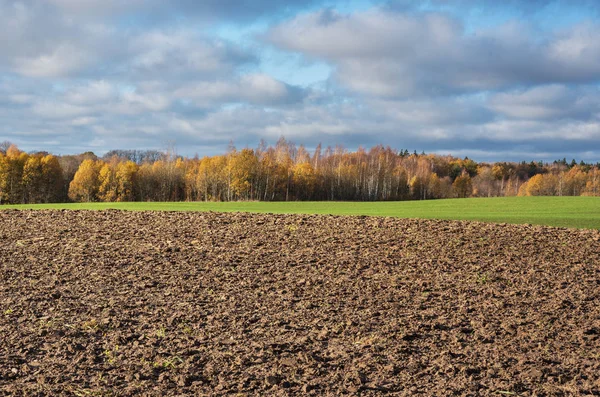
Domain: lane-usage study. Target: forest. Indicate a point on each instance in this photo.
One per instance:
(280, 172)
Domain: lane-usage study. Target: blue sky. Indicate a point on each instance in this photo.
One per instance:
(491, 80)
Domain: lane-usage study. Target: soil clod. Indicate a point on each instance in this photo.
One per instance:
(171, 304)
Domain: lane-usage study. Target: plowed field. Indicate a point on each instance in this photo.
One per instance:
(165, 303)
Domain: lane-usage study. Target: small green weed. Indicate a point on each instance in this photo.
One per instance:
(161, 332)
(169, 363)
(110, 355)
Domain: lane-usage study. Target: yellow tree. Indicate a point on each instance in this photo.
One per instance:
(108, 189)
(304, 180)
(118, 180)
(211, 181)
(11, 175)
(284, 151)
(85, 184)
(32, 179)
(202, 179)
(402, 188)
(146, 182)
(274, 175)
(3, 177)
(592, 187)
(169, 178)
(217, 177)
(126, 175)
(191, 175)
(420, 169)
(575, 181)
(463, 186)
(435, 187)
(160, 175)
(540, 185)
(52, 175)
(42, 179)
(241, 169)
(418, 187)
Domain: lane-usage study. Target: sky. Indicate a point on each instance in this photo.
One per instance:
(494, 81)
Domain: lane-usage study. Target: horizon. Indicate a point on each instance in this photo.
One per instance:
(491, 82)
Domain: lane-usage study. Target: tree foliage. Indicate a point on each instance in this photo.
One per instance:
(86, 183)
(280, 172)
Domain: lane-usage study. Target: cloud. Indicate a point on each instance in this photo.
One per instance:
(93, 92)
(60, 61)
(96, 7)
(447, 111)
(159, 10)
(392, 54)
(457, 126)
(39, 41)
(100, 75)
(548, 102)
(251, 88)
(182, 54)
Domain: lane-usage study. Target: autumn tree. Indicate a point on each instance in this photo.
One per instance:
(108, 189)
(3, 173)
(592, 186)
(540, 185)
(4, 145)
(284, 156)
(463, 186)
(304, 180)
(280, 172)
(11, 175)
(86, 183)
(402, 188)
(485, 184)
(574, 182)
(118, 180)
(32, 180)
(304, 177)
(126, 175)
(242, 168)
(52, 180)
(272, 175)
(168, 176)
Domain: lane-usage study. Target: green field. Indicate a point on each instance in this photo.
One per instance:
(575, 212)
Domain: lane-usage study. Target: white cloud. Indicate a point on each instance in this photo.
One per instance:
(251, 88)
(546, 102)
(58, 110)
(97, 7)
(134, 103)
(385, 53)
(413, 80)
(93, 92)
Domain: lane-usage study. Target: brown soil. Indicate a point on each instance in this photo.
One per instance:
(122, 303)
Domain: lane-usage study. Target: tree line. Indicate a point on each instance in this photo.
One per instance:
(282, 172)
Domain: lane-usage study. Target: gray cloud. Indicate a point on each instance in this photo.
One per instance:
(181, 55)
(160, 11)
(398, 55)
(77, 76)
(549, 102)
(37, 41)
(521, 8)
(103, 127)
(252, 88)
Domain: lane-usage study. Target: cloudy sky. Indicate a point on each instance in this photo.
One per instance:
(510, 80)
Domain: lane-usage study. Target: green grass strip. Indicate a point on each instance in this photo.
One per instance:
(573, 212)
